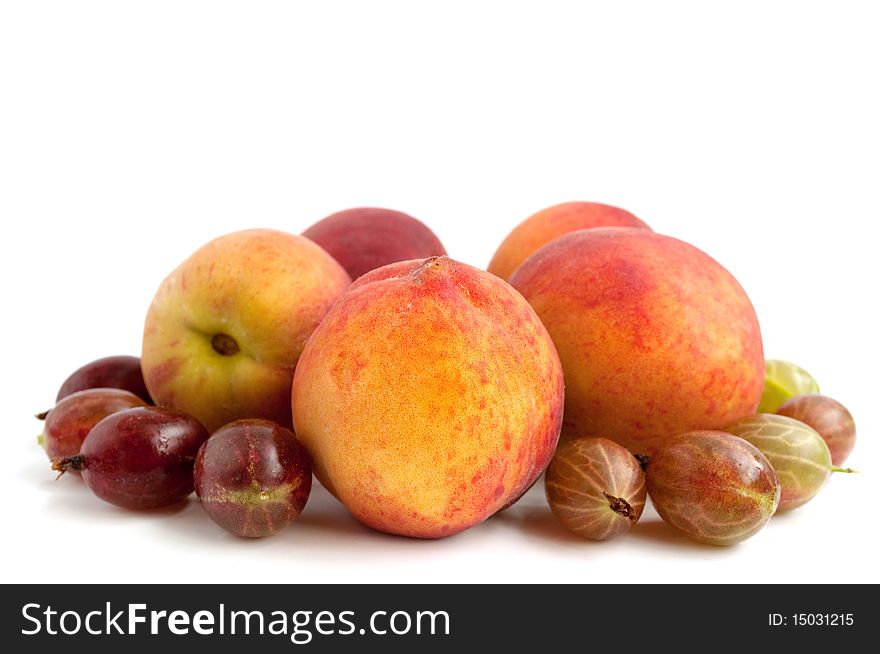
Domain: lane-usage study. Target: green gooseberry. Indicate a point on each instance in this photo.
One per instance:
(782, 381)
(797, 452)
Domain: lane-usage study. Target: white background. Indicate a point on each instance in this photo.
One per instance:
(131, 133)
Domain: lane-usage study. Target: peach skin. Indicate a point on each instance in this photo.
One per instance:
(551, 223)
(655, 337)
(429, 397)
(226, 328)
(366, 238)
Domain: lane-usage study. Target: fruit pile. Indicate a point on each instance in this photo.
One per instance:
(427, 395)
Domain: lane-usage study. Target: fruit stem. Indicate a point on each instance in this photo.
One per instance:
(64, 463)
(225, 345)
(620, 506)
(846, 470)
(42, 416)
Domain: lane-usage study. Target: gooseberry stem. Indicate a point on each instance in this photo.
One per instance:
(846, 470)
(42, 415)
(620, 506)
(64, 463)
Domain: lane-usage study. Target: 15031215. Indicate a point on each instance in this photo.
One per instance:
(822, 619)
(811, 620)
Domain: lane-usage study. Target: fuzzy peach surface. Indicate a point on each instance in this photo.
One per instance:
(429, 397)
(656, 338)
(265, 289)
(549, 224)
(366, 238)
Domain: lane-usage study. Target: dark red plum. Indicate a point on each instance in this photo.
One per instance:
(715, 487)
(110, 372)
(139, 458)
(253, 477)
(68, 424)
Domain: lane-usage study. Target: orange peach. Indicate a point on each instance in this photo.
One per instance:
(656, 338)
(367, 238)
(551, 223)
(429, 397)
(226, 328)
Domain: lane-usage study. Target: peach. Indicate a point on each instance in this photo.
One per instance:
(656, 338)
(367, 238)
(551, 223)
(429, 397)
(226, 328)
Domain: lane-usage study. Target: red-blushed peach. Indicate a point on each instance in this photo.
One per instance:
(226, 328)
(429, 397)
(549, 224)
(367, 238)
(656, 338)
